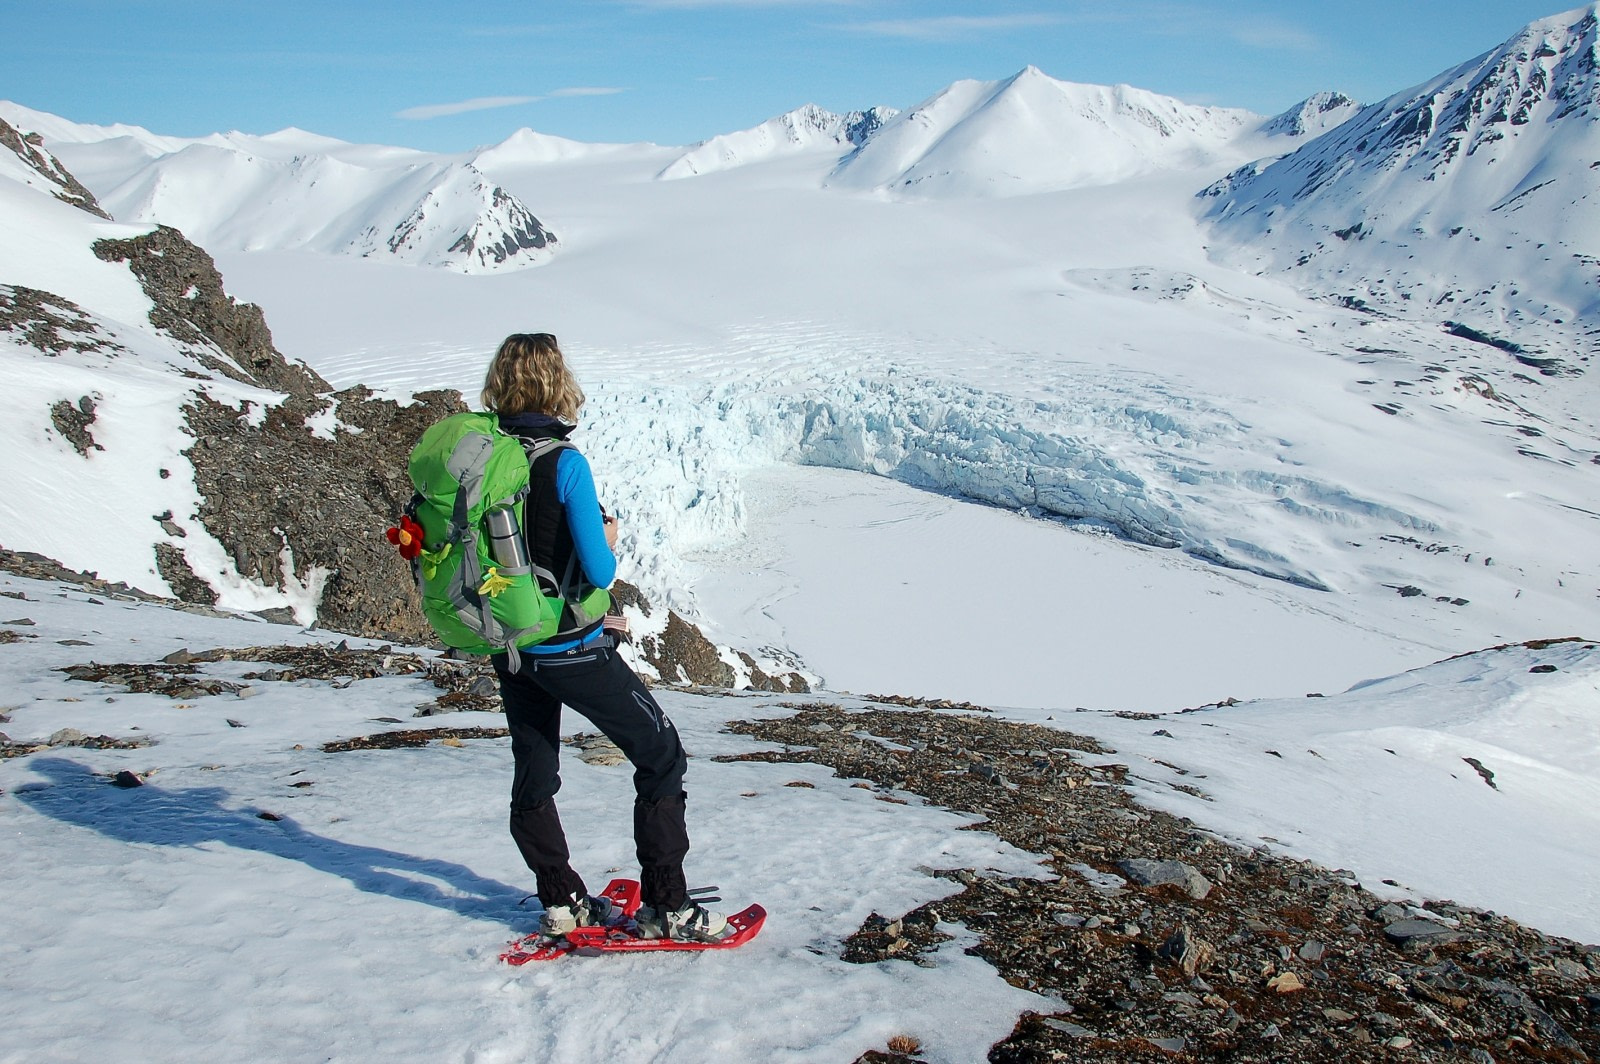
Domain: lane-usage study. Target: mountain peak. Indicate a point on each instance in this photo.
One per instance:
(1313, 116)
(806, 128)
(1031, 132)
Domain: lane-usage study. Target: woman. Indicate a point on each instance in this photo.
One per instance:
(536, 397)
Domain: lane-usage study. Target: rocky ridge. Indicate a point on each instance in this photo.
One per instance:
(1313, 116)
(191, 306)
(29, 147)
(1159, 941)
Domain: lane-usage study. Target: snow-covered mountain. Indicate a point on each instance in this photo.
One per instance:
(804, 129)
(296, 190)
(1471, 195)
(529, 147)
(1032, 133)
(1313, 116)
(97, 367)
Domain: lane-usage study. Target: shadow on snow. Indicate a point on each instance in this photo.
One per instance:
(157, 816)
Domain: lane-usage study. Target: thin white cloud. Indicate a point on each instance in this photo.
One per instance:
(461, 107)
(951, 27)
(670, 4)
(489, 103)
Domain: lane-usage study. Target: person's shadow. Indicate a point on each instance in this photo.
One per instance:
(156, 816)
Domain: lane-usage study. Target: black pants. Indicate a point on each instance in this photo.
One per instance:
(598, 684)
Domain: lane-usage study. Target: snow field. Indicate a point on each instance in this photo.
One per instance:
(1377, 779)
(169, 921)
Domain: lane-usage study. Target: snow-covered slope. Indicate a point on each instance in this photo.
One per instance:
(293, 903)
(93, 395)
(1076, 355)
(1032, 133)
(276, 893)
(1313, 116)
(297, 190)
(1474, 777)
(804, 129)
(528, 147)
(1470, 198)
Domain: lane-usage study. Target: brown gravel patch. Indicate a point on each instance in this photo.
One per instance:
(1281, 960)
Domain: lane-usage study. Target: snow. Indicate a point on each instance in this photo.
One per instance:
(170, 921)
(1470, 192)
(297, 190)
(805, 129)
(1379, 779)
(1031, 133)
(97, 511)
(1030, 432)
(979, 604)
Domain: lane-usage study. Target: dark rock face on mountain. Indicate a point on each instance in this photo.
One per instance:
(504, 231)
(1547, 72)
(47, 322)
(29, 147)
(859, 126)
(191, 306)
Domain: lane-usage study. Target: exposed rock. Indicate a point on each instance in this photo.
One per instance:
(191, 306)
(38, 567)
(173, 566)
(29, 147)
(10, 748)
(73, 421)
(413, 738)
(1148, 873)
(505, 230)
(624, 594)
(682, 654)
(1403, 931)
(596, 750)
(289, 504)
(761, 680)
(1189, 953)
(48, 322)
(1114, 960)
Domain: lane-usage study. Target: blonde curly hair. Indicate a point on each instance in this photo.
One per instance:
(529, 374)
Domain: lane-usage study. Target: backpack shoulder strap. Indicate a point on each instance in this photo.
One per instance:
(543, 445)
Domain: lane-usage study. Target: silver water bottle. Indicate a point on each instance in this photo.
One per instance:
(506, 545)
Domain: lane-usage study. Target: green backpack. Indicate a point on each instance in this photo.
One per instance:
(464, 468)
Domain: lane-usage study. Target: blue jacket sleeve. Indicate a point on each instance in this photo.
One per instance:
(575, 489)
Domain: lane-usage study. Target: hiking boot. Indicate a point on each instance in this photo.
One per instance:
(560, 920)
(693, 922)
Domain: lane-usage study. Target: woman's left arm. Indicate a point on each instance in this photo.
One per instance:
(575, 489)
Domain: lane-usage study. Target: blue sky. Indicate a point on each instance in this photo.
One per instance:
(453, 76)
